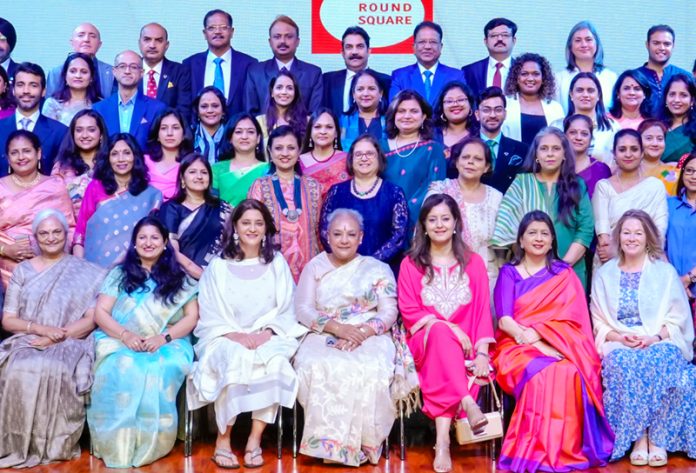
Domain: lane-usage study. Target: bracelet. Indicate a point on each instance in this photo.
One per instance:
(659, 337)
(120, 336)
(29, 326)
(2, 250)
(480, 353)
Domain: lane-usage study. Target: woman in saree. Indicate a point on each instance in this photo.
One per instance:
(245, 343)
(679, 114)
(194, 216)
(346, 364)
(145, 312)
(46, 366)
(322, 157)
(294, 200)
(445, 305)
(414, 160)
(545, 359)
(23, 193)
(644, 333)
(118, 196)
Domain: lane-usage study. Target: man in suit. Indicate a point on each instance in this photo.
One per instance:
(499, 38)
(128, 110)
(508, 154)
(29, 88)
(427, 76)
(85, 39)
(284, 38)
(8, 41)
(221, 65)
(164, 80)
(355, 49)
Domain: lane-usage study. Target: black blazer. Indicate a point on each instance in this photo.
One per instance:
(11, 67)
(51, 133)
(334, 82)
(508, 162)
(174, 87)
(195, 67)
(475, 75)
(308, 76)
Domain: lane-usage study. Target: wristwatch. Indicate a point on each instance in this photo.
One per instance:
(167, 337)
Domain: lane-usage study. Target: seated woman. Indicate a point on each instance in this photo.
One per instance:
(119, 195)
(366, 114)
(322, 157)
(242, 159)
(349, 303)
(46, 366)
(631, 100)
(445, 304)
(644, 332)
(78, 89)
(285, 106)
(194, 216)
(145, 312)
(209, 115)
(652, 135)
(23, 193)
(545, 358)
(169, 141)
(453, 115)
(245, 343)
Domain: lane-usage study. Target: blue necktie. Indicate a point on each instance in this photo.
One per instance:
(428, 84)
(219, 80)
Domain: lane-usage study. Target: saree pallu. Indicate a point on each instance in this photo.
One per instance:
(559, 422)
(132, 416)
(42, 391)
(17, 211)
(233, 186)
(327, 173)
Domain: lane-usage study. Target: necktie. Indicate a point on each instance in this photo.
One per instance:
(497, 76)
(491, 145)
(219, 80)
(25, 122)
(428, 83)
(151, 85)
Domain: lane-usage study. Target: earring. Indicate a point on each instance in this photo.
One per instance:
(235, 237)
(263, 242)
(454, 232)
(443, 118)
(311, 143)
(336, 143)
(39, 165)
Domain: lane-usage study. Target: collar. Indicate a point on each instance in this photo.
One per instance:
(349, 74)
(496, 139)
(683, 202)
(131, 101)
(505, 62)
(34, 117)
(5, 65)
(157, 68)
(227, 57)
(288, 65)
(433, 69)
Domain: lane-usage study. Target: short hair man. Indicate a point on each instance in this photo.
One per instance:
(220, 65)
(8, 41)
(428, 75)
(129, 110)
(283, 38)
(29, 87)
(499, 37)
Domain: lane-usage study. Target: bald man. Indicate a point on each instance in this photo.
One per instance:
(128, 110)
(85, 39)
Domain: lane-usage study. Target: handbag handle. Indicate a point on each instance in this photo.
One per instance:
(495, 392)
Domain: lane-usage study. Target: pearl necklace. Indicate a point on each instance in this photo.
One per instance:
(19, 183)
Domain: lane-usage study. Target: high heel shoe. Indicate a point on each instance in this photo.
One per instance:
(477, 419)
(443, 461)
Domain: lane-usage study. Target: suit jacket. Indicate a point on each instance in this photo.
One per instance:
(50, 132)
(174, 87)
(106, 79)
(334, 82)
(308, 76)
(508, 162)
(409, 77)
(11, 67)
(144, 113)
(239, 69)
(475, 75)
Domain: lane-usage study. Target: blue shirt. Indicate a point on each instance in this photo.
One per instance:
(656, 85)
(125, 113)
(681, 244)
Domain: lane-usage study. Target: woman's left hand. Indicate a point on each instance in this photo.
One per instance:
(42, 343)
(153, 344)
(644, 341)
(481, 367)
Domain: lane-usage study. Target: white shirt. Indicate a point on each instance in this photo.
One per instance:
(158, 74)
(422, 70)
(286, 65)
(210, 66)
(346, 89)
(33, 117)
(503, 71)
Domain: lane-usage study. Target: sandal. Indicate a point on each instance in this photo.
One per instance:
(657, 457)
(228, 455)
(639, 456)
(442, 466)
(255, 453)
(477, 420)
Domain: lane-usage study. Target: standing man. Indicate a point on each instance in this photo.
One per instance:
(427, 76)
(355, 49)
(508, 155)
(128, 110)
(221, 65)
(29, 88)
(284, 38)
(85, 39)
(657, 70)
(164, 80)
(8, 41)
(499, 38)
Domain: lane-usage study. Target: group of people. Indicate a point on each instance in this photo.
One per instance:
(257, 233)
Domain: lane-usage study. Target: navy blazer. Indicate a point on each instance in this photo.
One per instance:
(51, 133)
(308, 76)
(475, 75)
(173, 88)
(508, 163)
(11, 67)
(239, 70)
(106, 79)
(409, 77)
(334, 82)
(144, 113)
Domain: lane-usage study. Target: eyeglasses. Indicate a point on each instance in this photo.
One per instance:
(214, 28)
(423, 43)
(689, 171)
(499, 36)
(129, 67)
(459, 101)
(492, 111)
(366, 154)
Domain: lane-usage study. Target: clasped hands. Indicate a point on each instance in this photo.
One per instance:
(136, 343)
(251, 341)
(638, 341)
(47, 336)
(529, 336)
(351, 337)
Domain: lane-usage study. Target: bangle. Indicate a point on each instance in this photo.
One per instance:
(2, 250)
(120, 336)
(480, 353)
(659, 337)
(29, 326)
